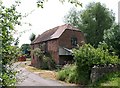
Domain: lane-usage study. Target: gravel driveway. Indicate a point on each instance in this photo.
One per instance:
(27, 78)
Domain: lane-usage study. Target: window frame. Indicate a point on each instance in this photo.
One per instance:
(74, 41)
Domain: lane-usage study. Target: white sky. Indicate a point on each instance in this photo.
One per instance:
(51, 15)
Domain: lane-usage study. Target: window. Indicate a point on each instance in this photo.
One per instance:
(74, 41)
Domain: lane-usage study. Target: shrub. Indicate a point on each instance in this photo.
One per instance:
(45, 60)
(48, 62)
(38, 52)
(87, 56)
(62, 75)
(72, 77)
(68, 74)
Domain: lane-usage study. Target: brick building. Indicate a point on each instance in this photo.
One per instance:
(59, 42)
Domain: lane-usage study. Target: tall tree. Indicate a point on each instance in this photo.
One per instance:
(93, 21)
(32, 37)
(112, 38)
(73, 17)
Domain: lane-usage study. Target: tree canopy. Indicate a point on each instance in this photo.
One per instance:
(112, 38)
(93, 21)
(25, 48)
(32, 37)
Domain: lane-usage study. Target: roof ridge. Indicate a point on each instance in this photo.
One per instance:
(54, 33)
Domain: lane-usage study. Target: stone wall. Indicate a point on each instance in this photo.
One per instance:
(99, 71)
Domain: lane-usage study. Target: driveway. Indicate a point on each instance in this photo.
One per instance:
(27, 78)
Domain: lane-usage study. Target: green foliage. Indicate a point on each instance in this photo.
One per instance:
(75, 2)
(92, 21)
(32, 37)
(63, 74)
(73, 17)
(26, 49)
(38, 52)
(46, 60)
(112, 38)
(68, 74)
(9, 78)
(87, 56)
(9, 17)
(110, 79)
(40, 3)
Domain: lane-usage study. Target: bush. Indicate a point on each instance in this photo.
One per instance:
(72, 77)
(48, 62)
(45, 60)
(68, 74)
(87, 56)
(38, 52)
(62, 75)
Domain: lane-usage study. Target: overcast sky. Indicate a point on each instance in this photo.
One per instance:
(51, 15)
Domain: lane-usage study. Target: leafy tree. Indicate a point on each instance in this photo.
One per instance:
(40, 3)
(32, 37)
(112, 38)
(9, 17)
(73, 17)
(26, 49)
(93, 21)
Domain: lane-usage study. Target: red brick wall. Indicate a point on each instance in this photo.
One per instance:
(65, 38)
(53, 49)
(65, 41)
(33, 57)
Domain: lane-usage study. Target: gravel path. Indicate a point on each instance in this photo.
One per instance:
(27, 78)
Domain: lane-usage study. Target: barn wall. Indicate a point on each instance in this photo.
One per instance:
(65, 38)
(53, 49)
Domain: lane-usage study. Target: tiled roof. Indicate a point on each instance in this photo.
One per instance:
(53, 33)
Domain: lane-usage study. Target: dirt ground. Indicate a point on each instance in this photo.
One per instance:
(43, 73)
